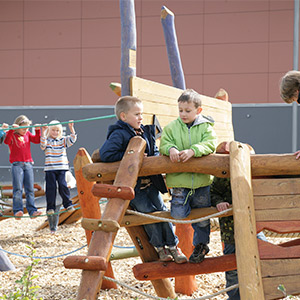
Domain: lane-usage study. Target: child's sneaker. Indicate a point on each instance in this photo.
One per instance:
(198, 254)
(18, 215)
(36, 214)
(177, 255)
(70, 208)
(50, 212)
(164, 254)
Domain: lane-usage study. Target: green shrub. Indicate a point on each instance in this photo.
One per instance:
(25, 288)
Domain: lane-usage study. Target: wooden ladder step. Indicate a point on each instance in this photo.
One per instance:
(107, 225)
(86, 263)
(113, 191)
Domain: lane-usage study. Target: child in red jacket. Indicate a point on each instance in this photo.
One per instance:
(18, 140)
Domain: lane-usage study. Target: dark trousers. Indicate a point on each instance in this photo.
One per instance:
(52, 177)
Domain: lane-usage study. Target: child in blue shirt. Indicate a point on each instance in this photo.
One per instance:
(147, 199)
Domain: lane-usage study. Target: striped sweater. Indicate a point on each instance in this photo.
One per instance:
(55, 152)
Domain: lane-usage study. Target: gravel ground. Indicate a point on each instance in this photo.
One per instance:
(57, 283)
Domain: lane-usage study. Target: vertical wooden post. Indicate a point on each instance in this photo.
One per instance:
(163, 287)
(167, 20)
(247, 256)
(185, 284)
(128, 44)
(89, 203)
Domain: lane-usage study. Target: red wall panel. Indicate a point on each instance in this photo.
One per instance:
(67, 52)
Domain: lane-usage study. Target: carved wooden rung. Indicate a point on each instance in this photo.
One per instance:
(113, 191)
(86, 263)
(103, 225)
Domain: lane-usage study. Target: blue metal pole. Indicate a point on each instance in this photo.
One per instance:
(167, 20)
(128, 44)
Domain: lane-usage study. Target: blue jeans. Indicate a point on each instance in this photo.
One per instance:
(53, 219)
(232, 276)
(183, 200)
(51, 189)
(22, 174)
(149, 200)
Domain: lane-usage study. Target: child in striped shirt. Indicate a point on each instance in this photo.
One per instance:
(54, 144)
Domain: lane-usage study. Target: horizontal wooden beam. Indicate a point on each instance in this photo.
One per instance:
(158, 270)
(214, 164)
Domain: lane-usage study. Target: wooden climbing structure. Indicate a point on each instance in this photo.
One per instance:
(262, 267)
(259, 201)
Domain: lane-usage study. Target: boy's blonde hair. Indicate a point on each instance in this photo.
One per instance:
(59, 126)
(190, 95)
(124, 104)
(22, 120)
(289, 86)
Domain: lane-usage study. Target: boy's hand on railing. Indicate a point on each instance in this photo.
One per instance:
(174, 155)
(223, 206)
(185, 155)
(297, 154)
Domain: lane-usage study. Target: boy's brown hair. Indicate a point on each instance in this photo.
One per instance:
(124, 104)
(190, 95)
(289, 86)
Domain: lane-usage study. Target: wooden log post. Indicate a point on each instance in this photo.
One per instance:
(128, 44)
(168, 24)
(247, 255)
(89, 204)
(147, 253)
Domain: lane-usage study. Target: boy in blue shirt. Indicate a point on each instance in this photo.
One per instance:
(147, 199)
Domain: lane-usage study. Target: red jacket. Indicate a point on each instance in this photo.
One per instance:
(19, 145)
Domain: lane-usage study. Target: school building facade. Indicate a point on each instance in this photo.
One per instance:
(68, 52)
(58, 58)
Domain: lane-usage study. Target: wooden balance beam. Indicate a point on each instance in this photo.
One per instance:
(214, 164)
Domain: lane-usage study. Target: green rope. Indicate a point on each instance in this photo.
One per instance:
(66, 122)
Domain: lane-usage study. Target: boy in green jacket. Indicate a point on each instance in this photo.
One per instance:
(191, 134)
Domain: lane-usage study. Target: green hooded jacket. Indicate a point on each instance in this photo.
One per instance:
(200, 137)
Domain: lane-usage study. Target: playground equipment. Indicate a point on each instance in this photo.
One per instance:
(262, 267)
(256, 262)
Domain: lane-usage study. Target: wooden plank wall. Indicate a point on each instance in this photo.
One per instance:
(161, 100)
